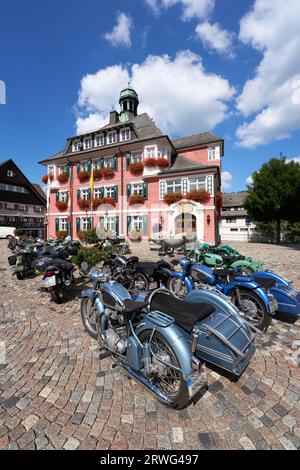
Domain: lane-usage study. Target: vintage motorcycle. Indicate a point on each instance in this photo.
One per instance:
(58, 274)
(254, 303)
(206, 319)
(127, 271)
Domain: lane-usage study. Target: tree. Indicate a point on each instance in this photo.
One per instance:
(274, 195)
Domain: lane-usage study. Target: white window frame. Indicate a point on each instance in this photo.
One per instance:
(99, 140)
(137, 188)
(87, 143)
(77, 146)
(125, 134)
(84, 223)
(62, 169)
(173, 190)
(137, 223)
(150, 151)
(110, 223)
(213, 153)
(22, 207)
(10, 205)
(63, 224)
(84, 194)
(97, 192)
(63, 196)
(197, 184)
(109, 162)
(109, 191)
(113, 135)
(136, 157)
(10, 173)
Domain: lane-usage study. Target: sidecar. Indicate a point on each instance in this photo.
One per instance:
(287, 297)
(225, 339)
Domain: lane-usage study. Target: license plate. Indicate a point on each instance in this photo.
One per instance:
(50, 281)
(197, 381)
(273, 306)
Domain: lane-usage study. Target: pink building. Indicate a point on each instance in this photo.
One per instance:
(143, 181)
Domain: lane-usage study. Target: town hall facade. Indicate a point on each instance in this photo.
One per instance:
(129, 179)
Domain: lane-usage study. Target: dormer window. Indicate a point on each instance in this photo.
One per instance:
(99, 140)
(213, 153)
(77, 146)
(151, 152)
(88, 143)
(10, 173)
(112, 137)
(125, 134)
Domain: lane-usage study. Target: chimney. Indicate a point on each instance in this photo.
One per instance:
(113, 117)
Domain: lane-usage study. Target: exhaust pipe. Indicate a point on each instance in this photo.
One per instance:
(144, 381)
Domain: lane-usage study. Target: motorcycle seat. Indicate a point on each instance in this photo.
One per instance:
(185, 313)
(223, 272)
(59, 263)
(132, 306)
(229, 259)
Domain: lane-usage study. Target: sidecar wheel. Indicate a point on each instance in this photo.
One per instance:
(168, 380)
(88, 317)
(260, 318)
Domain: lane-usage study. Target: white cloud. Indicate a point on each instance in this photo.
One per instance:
(249, 180)
(191, 8)
(215, 38)
(295, 159)
(179, 94)
(226, 178)
(273, 94)
(120, 34)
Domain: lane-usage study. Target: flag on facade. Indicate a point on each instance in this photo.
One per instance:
(92, 182)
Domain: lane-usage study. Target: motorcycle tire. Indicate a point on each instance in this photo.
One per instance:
(265, 319)
(140, 278)
(180, 399)
(58, 295)
(88, 323)
(171, 283)
(20, 275)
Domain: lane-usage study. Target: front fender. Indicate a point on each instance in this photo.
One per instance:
(254, 287)
(176, 338)
(272, 276)
(97, 304)
(188, 281)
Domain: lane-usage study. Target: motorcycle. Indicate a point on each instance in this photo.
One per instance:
(207, 324)
(119, 245)
(58, 274)
(126, 271)
(21, 262)
(254, 303)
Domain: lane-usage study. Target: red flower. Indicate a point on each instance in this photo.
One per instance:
(61, 233)
(150, 162)
(108, 172)
(136, 167)
(84, 204)
(61, 205)
(199, 195)
(97, 202)
(162, 162)
(171, 197)
(109, 200)
(97, 174)
(83, 176)
(136, 199)
(45, 179)
(63, 177)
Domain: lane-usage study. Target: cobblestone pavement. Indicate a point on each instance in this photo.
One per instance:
(55, 393)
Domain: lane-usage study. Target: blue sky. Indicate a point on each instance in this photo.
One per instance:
(197, 65)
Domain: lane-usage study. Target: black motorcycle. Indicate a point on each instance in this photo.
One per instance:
(58, 274)
(127, 271)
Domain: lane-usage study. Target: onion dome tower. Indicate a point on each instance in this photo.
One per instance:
(128, 103)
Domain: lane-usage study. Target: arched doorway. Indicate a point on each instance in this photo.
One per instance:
(185, 222)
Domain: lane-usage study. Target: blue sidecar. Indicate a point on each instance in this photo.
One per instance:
(287, 297)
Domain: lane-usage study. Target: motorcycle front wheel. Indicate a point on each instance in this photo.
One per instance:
(253, 309)
(88, 316)
(140, 282)
(165, 377)
(177, 287)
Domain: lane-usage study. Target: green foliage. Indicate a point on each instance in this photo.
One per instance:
(19, 232)
(275, 193)
(90, 236)
(292, 232)
(92, 256)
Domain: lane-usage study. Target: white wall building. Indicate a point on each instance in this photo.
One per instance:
(235, 224)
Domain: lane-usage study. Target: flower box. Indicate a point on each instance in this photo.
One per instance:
(108, 172)
(61, 205)
(84, 204)
(97, 174)
(83, 176)
(199, 195)
(136, 168)
(170, 198)
(162, 162)
(109, 200)
(61, 233)
(63, 177)
(150, 162)
(97, 202)
(136, 199)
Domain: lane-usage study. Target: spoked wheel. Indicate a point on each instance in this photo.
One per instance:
(177, 287)
(84, 269)
(253, 310)
(165, 369)
(88, 316)
(58, 294)
(140, 282)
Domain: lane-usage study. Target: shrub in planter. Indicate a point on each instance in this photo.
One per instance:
(108, 172)
(63, 177)
(135, 234)
(97, 202)
(84, 204)
(61, 233)
(150, 162)
(171, 197)
(109, 200)
(97, 174)
(61, 205)
(90, 236)
(136, 199)
(91, 256)
(83, 176)
(199, 195)
(162, 162)
(136, 167)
